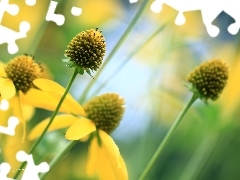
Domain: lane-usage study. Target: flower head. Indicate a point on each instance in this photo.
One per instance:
(106, 111)
(209, 79)
(22, 70)
(86, 50)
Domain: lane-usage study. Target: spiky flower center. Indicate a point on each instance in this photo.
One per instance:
(22, 70)
(87, 49)
(106, 111)
(209, 79)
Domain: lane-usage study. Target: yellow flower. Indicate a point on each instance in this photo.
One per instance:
(104, 157)
(21, 83)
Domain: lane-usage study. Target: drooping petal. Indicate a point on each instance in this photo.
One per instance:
(7, 88)
(48, 85)
(105, 160)
(111, 147)
(59, 122)
(45, 100)
(28, 111)
(16, 109)
(76, 108)
(2, 71)
(57, 91)
(80, 129)
(93, 156)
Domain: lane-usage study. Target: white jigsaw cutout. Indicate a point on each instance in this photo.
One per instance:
(133, 1)
(51, 16)
(30, 2)
(10, 129)
(31, 171)
(4, 105)
(4, 170)
(8, 35)
(209, 9)
(76, 11)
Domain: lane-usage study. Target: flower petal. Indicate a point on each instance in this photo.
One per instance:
(111, 147)
(2, 71)
(17, 111)
(80, 129)
(93, 156)
(56, 90)
(45, 100)
(59, 122)
(7, 88)
(48, 85)
(76, 108)
(106, 160)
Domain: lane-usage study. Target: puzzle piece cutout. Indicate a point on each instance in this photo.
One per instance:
(51, 16)
(59, 19)
(76, 11)
(4, 104)
(209, 10)
(10, 129)
(4, 170)
(30, 172)
(30, 2)
(7, 35)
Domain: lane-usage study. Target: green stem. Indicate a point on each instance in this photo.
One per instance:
(168, 137)
(114, 50)
(59, 155)
(51, 120)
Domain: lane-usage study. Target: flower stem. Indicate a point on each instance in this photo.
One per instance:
(51, 120)
(60, 154)
(114, 50)
(168, 136)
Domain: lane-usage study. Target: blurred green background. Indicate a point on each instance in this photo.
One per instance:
(147, 70)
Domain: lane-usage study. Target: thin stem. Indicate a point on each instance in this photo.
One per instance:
(168, 137)
(114, 50)
(51, 120)
(59, 155)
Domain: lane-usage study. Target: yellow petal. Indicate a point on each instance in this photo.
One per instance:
(102, 159)
(56, 90)
(80, 129)
(28, 111)
(59, 122)
(7, 88)
(110, 145)
(17, 111)
(76, 108)
(48, 85)
(2, 71)
(93, 156)
(44, 100)
(40, 99)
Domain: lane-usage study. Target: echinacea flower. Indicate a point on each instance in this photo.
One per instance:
(21, 82)
(209, 79)
(103, 116)
(86, 50)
